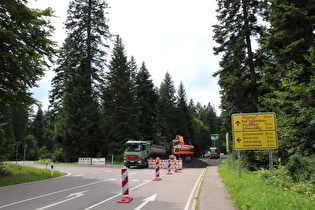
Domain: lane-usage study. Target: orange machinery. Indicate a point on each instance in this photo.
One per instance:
(182, 150)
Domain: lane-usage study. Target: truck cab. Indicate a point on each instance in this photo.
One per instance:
(214, 153)
(135, 153)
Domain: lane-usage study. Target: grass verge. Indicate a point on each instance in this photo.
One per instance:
(251, 191)
(17, 174)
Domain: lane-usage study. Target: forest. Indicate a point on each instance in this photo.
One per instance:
(101, 97)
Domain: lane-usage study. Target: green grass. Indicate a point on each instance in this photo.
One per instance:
(252, 191)
(18, 174)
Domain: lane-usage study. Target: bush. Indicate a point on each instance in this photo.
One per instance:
(301, 168)
(3, 171)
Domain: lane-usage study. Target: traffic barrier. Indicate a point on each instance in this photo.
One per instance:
(125, 187)
(178, 165)
(157, 172)
(151, 163)
(98, 161)
(85, 160)
(169, 168)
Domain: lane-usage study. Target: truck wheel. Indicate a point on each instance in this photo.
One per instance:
(128, 166)
(145, 165)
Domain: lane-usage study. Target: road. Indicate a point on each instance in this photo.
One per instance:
(99, 187)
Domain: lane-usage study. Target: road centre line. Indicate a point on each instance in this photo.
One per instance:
(60, 191)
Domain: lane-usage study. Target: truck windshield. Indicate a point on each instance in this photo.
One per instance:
(133, 147)
(175, 143)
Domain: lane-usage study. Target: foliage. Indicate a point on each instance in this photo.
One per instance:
(25, 47)
(146, 99)
(119, 105)
(78, 77)
(21, 174)
(251, 191)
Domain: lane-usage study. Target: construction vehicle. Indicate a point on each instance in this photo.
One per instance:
(213, 153)
(182, 150)
(137, 153)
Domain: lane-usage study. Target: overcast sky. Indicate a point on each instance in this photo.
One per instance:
(168, 35)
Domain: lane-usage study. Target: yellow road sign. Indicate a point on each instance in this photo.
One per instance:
(254, 131)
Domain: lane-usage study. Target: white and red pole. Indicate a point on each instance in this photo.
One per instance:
(157, 170)
(125, 187)
(169, 168)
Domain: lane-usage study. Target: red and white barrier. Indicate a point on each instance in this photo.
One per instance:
(125, 187)
(84, 160)
(169, 167)
(157, 172)
(178, 165)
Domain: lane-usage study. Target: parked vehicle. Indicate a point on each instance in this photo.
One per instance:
(137, 153)
(182, 150)
(214, 153)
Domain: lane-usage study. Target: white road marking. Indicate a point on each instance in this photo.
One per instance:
(60, 191)
(193, 191)
(146, 200)
(69, 197)
(108, 199)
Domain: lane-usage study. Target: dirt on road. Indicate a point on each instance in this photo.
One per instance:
(202, 162)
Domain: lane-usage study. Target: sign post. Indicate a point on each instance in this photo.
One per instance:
(214, 137)
(255, 131)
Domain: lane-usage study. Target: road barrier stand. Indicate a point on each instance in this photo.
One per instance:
(157, 171)
(169, 168)
(125, 187)
(52, 169)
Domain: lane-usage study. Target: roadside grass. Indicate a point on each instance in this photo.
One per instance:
(17, 174)
(254, 191)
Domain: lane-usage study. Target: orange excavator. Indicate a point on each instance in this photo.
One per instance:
(182, 150)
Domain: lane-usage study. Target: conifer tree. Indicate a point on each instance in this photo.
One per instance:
(234, 34)
(167, 109)
(120, 111)
(78, 77)
(146, 99)
(184, 116)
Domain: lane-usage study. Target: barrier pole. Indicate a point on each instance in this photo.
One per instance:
(157, 170)
(52, 169)
(169, 169)
(125, 187)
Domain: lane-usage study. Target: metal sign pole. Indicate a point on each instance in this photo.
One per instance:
(271, 162)
(239, 164)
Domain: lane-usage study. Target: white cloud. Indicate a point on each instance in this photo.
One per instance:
(168, 35)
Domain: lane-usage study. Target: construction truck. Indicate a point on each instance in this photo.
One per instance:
(213, 153)
(137, 153)
(182, 150)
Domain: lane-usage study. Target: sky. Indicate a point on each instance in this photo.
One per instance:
(172, 36)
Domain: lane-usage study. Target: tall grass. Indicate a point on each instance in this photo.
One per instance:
(16, 174)
(253, 191)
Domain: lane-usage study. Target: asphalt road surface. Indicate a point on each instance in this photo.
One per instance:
(99, 187)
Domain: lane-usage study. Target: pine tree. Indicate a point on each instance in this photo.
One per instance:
(78, 78)
(120, 111)
(184, 116)
(37, 128)
(167, 109)
(146, 99)
(234, 34)
(288, 74)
